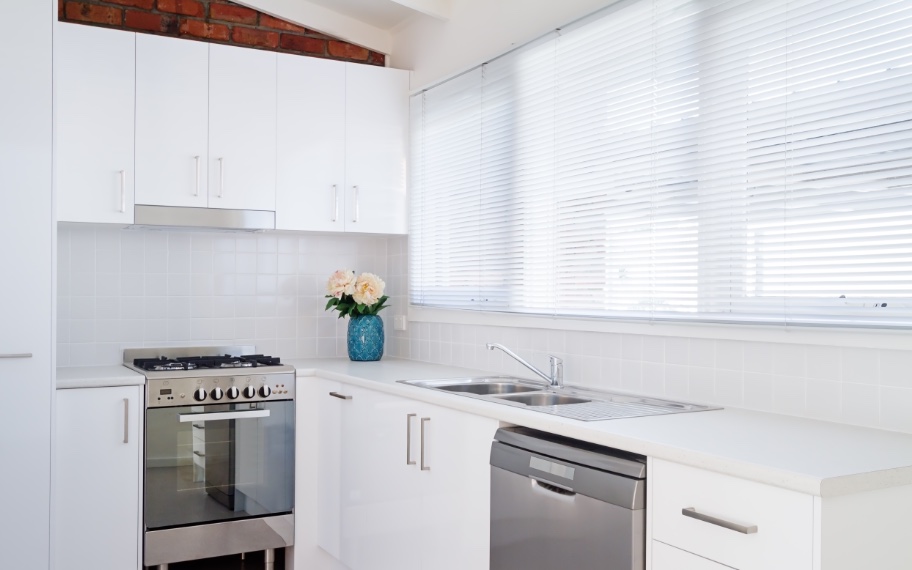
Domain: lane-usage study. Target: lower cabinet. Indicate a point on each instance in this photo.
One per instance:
(401, 484)
(738, 523)
(98, 477)
(666, 557)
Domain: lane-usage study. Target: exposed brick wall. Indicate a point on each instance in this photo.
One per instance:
(217, 21)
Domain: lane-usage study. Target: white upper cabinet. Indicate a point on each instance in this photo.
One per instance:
(376, 135)
(242, 128)
(95, 77)
(310, 192)
(172, 101)
(343, 137)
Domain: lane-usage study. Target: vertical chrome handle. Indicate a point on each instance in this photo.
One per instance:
(357, 205)
(221, 177)
(335, 202)
(196, 191)
(126, 420)
(123, 191)
(424, 466)
(408, 439)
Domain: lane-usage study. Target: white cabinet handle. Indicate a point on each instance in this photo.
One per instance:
(691, 512)
(123, 191)
(335, 202)
(424, 465)
(196, 192)
(408, 439)
(17, 355)
(126, 420)
(357, 205)
(221, 177)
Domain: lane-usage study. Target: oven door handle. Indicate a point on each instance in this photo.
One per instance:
(213, 416)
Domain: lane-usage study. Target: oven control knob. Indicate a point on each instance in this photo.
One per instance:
(265, 391)
(249, 392)
(200, 395)
(233, 393)
(216, 393)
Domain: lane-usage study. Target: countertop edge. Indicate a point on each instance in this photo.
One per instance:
(535, 420)
(74, 377)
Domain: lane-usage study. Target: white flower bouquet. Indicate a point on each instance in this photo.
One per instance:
(355, 296)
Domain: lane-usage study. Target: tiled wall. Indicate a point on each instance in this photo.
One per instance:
(849, 385)
(129, 288)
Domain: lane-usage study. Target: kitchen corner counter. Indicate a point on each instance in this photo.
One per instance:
(97, 377)
(809, 456)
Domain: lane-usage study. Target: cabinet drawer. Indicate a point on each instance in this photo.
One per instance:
(712, 515)
(666, 557)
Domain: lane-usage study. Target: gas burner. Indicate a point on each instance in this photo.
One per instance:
(228, 361)
(162, 363)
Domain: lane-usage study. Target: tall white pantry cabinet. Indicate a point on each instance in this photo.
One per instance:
(28, 238)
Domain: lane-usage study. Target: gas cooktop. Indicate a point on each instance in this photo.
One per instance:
(206, 362)
(198, 362)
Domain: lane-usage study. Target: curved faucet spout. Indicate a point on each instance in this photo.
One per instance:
(555, 379)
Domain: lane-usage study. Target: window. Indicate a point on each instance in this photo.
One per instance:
(709, 160)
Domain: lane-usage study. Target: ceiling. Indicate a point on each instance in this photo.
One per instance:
(383, 14)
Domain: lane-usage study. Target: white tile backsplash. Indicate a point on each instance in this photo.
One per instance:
(122, 288)
(132, 288)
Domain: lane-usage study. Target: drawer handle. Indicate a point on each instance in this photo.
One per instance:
(340, 396)
(743, 529)
(198, 454)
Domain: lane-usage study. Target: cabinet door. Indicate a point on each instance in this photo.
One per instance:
(172, 114)
(380, 492)
(666, 557)
(376, 137)
(455, 489)
(98, 478)
(242, 128)
(329, 466)
(310, 191)
(94, 72)
(26, 293)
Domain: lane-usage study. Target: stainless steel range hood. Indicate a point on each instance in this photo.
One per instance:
(212, 218)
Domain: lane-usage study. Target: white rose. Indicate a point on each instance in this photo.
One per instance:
(368, 289)
(342, 282)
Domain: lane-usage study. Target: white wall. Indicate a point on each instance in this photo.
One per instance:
(477, 31)
(132, 288)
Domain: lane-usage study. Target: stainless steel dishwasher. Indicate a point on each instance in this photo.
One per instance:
(560, 503)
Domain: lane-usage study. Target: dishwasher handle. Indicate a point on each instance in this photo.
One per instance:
(553, 487)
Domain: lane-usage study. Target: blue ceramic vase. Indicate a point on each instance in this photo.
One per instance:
(365, 338)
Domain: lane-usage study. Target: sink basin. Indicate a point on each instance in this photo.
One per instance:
(592, 405)
(480, 386)
(544, 399)
(488, 388)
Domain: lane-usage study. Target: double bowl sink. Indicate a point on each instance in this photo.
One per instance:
(570, 402)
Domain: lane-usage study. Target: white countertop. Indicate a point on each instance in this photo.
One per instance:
(97, 377)
(809, 456)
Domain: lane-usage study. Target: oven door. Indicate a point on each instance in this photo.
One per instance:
(218, 463)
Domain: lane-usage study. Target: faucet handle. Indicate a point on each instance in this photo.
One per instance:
(557, 371)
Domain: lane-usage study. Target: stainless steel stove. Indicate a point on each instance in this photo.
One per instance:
(219, 452)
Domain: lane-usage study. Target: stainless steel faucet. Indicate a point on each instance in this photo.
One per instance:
(556, 379)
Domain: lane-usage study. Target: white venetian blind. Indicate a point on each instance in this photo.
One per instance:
(714, 160)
